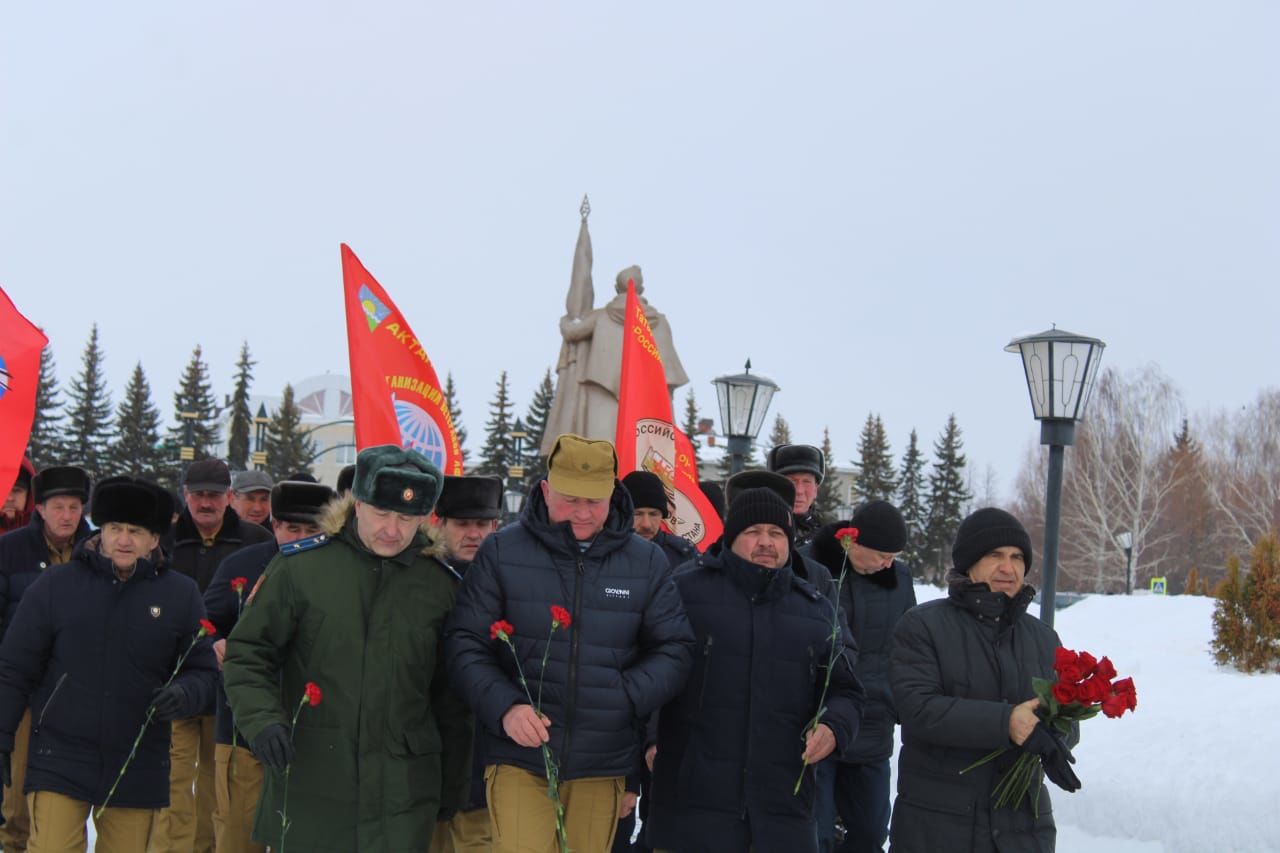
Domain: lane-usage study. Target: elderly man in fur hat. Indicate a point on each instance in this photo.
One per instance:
(96, 642)
(359, 614)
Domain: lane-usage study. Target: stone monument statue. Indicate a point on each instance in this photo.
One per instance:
(590, 363)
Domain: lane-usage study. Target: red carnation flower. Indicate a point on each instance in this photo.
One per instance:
(238, 584)
(847, 536)
(313, 693)
(559, 617)
(207, 629)
(502, 629)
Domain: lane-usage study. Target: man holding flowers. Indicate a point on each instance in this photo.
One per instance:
(359, 613)
(961, 670)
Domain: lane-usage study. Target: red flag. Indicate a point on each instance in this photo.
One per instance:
(647, 438)
(395, 392)
(20, 345)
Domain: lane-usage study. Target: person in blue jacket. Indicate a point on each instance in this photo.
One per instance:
(93, 646)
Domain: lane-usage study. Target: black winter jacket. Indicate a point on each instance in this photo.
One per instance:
(224, 606)
(872, 605)
(958, 667)
(24, 554)
(626, 653)
(86, 653)
(730, 745)
(189, 555)
(676, 548)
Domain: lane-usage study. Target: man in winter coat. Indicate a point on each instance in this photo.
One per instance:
(295, 520)
(359, 614)
(960, 671)
(875, 593)
(625, 651)
(15, 510)
(207, 532)
(91, 648)
(805, 466)
(57, 524)
(649, 497)
(466, 514)
(732, 747)
(251, 497)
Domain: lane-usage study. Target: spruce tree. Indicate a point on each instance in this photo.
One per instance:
(875, 478)
(947, 498)
(289, 448)
(239, 430)
(45, 444)
(136, 449)
(89, 412)
(195, 394)
(781, 433)
(827, 503)
(455, 411)
(535, 424)
(911, 496)
(495, 456)
(691, 426)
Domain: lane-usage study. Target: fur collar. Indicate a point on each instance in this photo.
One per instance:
(339, 511)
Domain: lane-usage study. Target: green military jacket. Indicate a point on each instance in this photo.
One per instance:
(386, 749)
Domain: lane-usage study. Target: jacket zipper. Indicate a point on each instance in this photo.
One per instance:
(706, 664)
(573, 661)
(56, 688)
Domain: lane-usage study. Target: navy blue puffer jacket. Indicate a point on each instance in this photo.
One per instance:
(627, 652)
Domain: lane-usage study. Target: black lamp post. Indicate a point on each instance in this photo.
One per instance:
(744, 399)
(187, 453)
(513, 497)
(260, 422)
(1125, 540)
(512, 502)
(1060, 368)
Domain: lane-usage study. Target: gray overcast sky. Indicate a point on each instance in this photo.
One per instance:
(868, 199)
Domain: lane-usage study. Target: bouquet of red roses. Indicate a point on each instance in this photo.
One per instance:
(1082, 687)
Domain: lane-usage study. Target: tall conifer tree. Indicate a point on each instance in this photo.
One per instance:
(455, 411)
(781, 433)
(875, 476)
(289, 448)
(827, 503)
(239, 430)
(195, 394)
(535, 424)
(691, 426)
(135, 449)
(89, 412)
(495, 456)
(948, 496)
(911, 496)
(45, 444)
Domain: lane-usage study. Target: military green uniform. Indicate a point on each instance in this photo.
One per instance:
(385, 750)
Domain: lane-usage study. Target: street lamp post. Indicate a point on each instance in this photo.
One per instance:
(1060, 368)
(260, 422)
(744, 398)
(187, 453)
(1125, 540)
(513, 497)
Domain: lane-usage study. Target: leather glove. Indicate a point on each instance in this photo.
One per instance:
(273, 747)
(169, 702)
(6, 771)
(1055, 757)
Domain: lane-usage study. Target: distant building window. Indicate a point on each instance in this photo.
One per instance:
(345, 454)
(312, 404)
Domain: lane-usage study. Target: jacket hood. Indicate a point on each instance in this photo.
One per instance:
(559, 537)
(340, 511)
(980, 600)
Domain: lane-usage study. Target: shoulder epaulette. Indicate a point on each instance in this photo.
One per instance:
(307, 544)
(453, 573)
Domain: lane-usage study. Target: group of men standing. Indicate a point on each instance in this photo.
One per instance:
(746, 695)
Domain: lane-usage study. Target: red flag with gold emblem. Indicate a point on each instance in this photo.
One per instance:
(647, 439)
(20, 346)
(395, 392)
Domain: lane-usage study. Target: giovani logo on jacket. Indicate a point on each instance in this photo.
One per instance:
(615, 592)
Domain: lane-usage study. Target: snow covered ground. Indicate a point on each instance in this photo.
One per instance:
(1196, 769)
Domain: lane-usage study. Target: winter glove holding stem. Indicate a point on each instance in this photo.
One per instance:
(1055, 757)
(273, 746)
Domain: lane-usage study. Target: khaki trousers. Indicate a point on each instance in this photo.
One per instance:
(187, 825)
(467, 832)
(237, 788)
(57, 826)
(17, 826)
(524, 818)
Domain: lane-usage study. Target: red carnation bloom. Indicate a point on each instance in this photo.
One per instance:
(207, 629)
(847, 536)
(313, 693)
(501, 629)
(1064, 693)
(238, 584)
(560, 616)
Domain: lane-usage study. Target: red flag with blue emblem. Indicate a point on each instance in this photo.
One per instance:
(20, 346)
(395, 393)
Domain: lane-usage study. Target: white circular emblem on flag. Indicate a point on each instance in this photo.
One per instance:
(419, 431)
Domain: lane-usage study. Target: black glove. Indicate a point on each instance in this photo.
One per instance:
(273, 746)
(169, 702)
(1055, 757)
(6, 772)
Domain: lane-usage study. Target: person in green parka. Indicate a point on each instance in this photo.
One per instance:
(358, 610)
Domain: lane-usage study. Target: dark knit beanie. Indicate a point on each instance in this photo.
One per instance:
(715, 495)
(984, 531)
(880, 527)
(345, 478)
(646, 491)
(757, 506)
